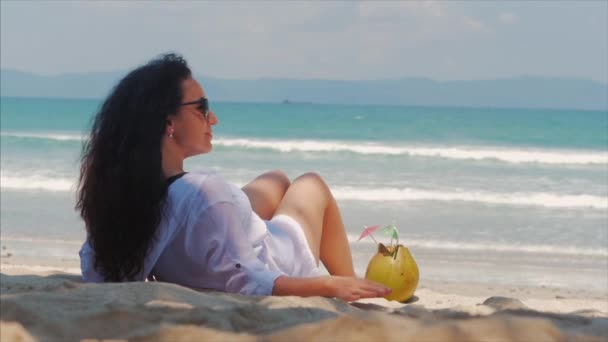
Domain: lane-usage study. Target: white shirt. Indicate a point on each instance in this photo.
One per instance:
(209, 238)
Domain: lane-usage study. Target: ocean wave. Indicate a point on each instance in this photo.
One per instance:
(386, 194)
(491, 246)
(46, 136)
(40, 240)
(503, 154)
(510, 155)
(539, 199)
(37, 182)
(419, 243)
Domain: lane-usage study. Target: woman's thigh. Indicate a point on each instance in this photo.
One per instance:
(305, 201)
(266, 191)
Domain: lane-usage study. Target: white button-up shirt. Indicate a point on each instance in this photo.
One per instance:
(209, 238)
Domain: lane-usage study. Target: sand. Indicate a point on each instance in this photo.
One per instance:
(47, 305)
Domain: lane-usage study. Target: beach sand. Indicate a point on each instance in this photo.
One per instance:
(49, 305)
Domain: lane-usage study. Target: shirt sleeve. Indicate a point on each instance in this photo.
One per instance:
(217, 240)
(89, 274)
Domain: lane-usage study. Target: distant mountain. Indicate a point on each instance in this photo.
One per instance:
(523, 92)
(24, 84)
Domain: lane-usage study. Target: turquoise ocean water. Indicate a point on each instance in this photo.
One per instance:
(490, 195)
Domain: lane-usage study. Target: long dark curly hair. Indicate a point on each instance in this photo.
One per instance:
(122, 189)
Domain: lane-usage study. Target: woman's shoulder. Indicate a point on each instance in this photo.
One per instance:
(206, 181)
(204, 187)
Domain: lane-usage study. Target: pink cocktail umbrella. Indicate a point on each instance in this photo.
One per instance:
(369, 231)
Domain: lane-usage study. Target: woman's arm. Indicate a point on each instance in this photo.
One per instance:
(345, 288)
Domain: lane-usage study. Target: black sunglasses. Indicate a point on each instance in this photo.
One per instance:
(203, 106)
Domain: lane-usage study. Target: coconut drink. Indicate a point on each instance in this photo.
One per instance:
(393, 266)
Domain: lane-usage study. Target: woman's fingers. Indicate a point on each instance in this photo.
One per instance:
(373, 283)
(367, 294)
(363, 294)
(351, 289)
(367, 289)
(373, 286)
(370, 292)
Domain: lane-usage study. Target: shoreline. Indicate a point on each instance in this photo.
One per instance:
(578, 274)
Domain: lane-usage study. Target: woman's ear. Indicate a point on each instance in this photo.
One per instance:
(169, 130)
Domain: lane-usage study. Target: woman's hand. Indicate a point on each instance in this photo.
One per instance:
(345, 288)
(350, 288)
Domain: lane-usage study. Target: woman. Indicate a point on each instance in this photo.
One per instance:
(147, 218)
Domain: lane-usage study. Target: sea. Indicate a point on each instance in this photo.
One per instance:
(484, 195)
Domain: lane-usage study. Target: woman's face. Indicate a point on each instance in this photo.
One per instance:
(191, 131)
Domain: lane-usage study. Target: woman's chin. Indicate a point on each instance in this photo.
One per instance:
(201, 150)
(207, 148)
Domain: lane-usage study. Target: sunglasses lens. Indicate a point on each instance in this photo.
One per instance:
(204, 107)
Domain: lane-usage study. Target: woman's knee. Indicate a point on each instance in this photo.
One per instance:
(266, 192)
(279, 178)
(316, 179)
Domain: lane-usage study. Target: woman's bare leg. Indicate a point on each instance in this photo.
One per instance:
(266, 192)
(309, 201)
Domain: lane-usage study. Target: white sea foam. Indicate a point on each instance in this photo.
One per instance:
(496, 247)
(45, 136)
(541, 199)
(537, 199)
(40, 240)
(37, 182)
(510, 155)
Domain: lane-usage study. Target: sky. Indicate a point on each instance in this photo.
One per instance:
(442, 40)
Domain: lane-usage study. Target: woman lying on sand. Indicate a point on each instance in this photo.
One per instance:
(148, 219)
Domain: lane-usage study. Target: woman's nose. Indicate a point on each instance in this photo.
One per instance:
(212, 118)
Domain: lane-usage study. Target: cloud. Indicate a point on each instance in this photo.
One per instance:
(507, 18)
(399, 9)
(337, 40)
(473, 24)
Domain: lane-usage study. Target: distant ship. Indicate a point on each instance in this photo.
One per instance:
(286, 101)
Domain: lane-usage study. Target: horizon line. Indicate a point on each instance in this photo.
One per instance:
(333, 104)
(273, 78)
